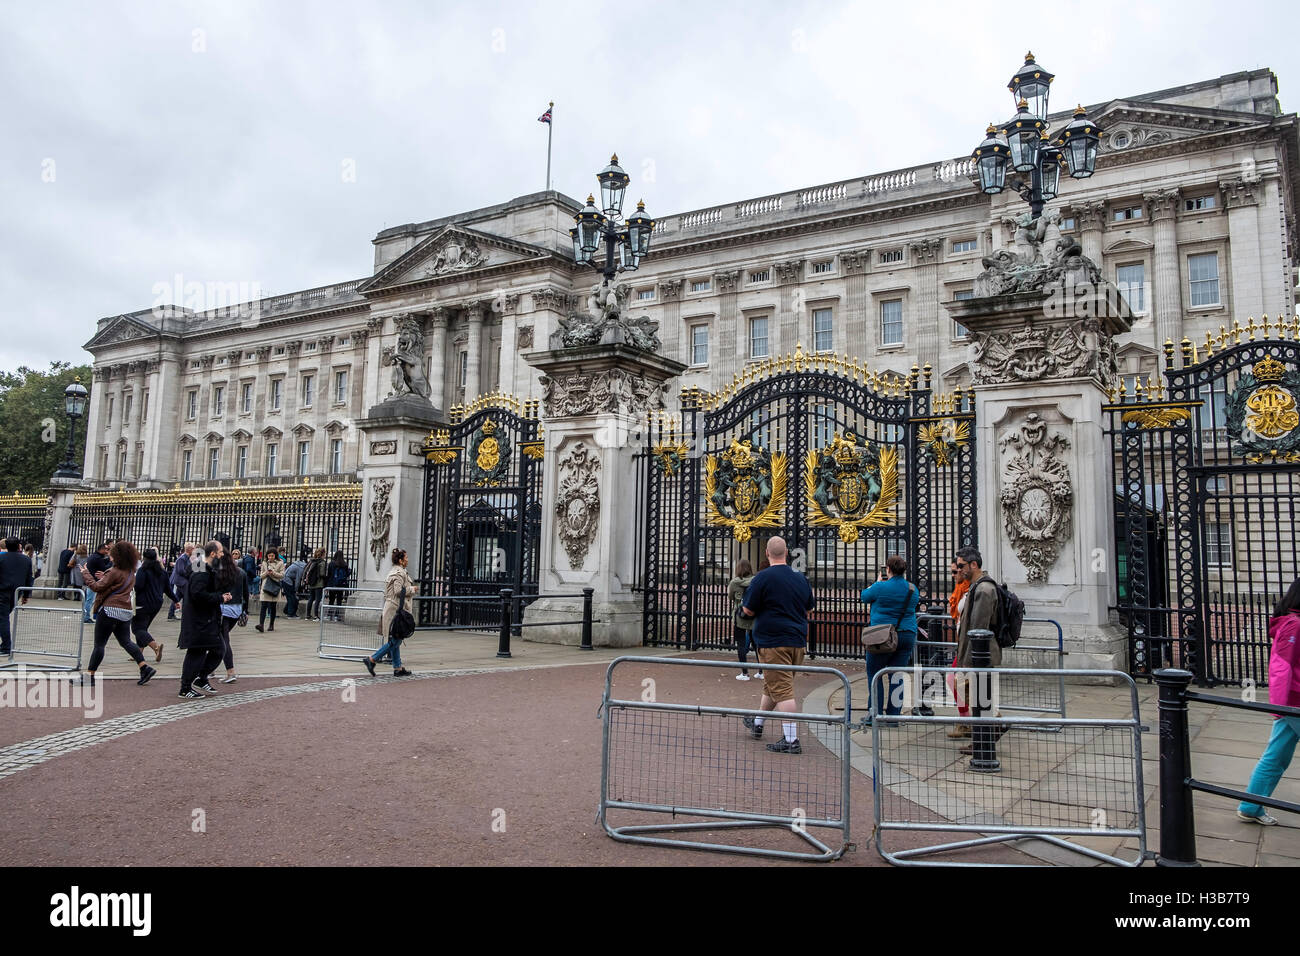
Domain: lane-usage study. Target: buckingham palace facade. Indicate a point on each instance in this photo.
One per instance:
(1191, 214)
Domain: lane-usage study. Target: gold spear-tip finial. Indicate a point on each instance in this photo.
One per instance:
(614, 158)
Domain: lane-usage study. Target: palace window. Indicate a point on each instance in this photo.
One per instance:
(309, 347)
(340, 387)
(121, 464)
(1128, 213)
(1218, 544)
(1132, 282)
(758, 337)
(214, 462)
(891, 255)
(823, 425)
(218, 400)
(277, 393)
(896, 544)
(1200, 202)
(126, 410)
(308, 390)
(241, 462)
(144, 407)
(246, 397)
(760, 428)
(192, 404)
(699, 345)
(826, 265)
(701, 285)
(279, 350)
(187, 465)
(823, 330)
(272, 459)
(345, 340)
(304, 455)
(891, 322)
(965, 245)
(644, 294)
(1067, 224)
(463, 376)
(1203, 277)
(824, 552)
(762, 275)
(336, 456)
(960, 331)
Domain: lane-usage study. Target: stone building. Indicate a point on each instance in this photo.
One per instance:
(1191, 213)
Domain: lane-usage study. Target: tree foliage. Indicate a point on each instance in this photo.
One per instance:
(34, 427)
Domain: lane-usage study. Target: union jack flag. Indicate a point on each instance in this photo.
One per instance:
(546, 117)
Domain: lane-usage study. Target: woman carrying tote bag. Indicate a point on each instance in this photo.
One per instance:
(893, 601)
(398, 591)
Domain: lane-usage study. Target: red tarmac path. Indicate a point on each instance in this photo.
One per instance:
(408, 774)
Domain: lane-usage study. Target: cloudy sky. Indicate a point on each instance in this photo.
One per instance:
(266, 143)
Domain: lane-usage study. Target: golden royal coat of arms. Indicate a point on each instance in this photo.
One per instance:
(489, 454)
(1264, 413)
(744, 488)
(851, 486)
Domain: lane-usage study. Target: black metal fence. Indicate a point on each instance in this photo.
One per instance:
(847, 466)
(290, 518)
(23, 517)
(1206, 474)
(482, 512)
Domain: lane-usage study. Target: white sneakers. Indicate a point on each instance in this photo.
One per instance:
(1263, 819)
(742, 677)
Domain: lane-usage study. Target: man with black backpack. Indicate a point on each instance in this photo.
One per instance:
(979, 610)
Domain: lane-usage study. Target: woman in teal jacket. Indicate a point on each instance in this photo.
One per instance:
(893, 601)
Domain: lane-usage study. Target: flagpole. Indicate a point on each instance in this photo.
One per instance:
(550, 128)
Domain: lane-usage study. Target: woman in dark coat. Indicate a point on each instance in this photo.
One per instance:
(151, 583)
(201, 624)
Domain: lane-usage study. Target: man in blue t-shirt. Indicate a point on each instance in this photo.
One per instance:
(779, 599)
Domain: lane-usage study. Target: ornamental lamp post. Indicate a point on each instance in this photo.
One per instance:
(1024, 145)
(625, 241)
(74, 406)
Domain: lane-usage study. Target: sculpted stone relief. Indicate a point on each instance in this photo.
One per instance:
(577, 506)
(381, 518)
(1035, 352)
(455, 255)
(610, 390)
(1042, 258)
(1037, 495)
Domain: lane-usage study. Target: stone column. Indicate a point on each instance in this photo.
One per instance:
(134, 463)
(593, 399)
(1162, 207)
(506, 305)
(1247, 282)
(729, 358)
(1045, 482)
(474, 324)
(59, 521)
(785, 333)
(437, 330)
(1090, 219)
(94, 423)
(925, 255)
(855, 265)
(670, 323)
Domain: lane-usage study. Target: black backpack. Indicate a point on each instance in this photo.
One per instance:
(1011, 615)
(403, 624)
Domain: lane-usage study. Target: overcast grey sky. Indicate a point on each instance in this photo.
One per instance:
(146, 140)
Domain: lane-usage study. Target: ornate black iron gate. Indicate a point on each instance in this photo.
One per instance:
(482, 509)
(847, 466)
(1207, 469)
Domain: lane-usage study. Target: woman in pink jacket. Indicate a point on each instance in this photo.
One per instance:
(1283, 690)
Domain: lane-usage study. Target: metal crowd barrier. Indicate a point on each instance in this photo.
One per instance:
(1032, 652)
(698, 765)
(46, 638)
(1177, 813)
(1084, 781)
(349, 630)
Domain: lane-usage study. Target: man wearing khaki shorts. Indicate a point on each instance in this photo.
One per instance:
(779, 599)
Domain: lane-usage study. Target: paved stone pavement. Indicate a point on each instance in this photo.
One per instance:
(1225, 743)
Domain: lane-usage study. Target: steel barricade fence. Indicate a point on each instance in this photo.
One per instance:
(689, 760)
(1041, 647)
(1083, 782)
(349, 630)
(46, 638)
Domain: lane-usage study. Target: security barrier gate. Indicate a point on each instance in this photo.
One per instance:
(699, 765)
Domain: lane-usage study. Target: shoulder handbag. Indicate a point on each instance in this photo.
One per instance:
(403, 624)
(883, 638)
(270, 587)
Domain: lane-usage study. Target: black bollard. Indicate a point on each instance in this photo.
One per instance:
(1177, 825)
(503, 646)
(984, 737)
(586, 619)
